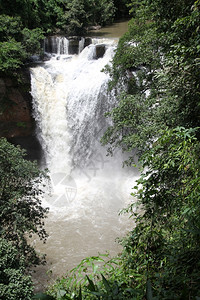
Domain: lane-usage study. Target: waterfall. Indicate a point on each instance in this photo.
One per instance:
(63, 45)
(70, 99)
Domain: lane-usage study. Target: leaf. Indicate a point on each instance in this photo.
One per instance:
(61, 293)
(149, 290)
(80, 294)
(91, 285)
(106, 283)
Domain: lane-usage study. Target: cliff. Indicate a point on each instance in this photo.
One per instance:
(15, 106)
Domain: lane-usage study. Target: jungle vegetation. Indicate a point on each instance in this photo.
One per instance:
(21, 217)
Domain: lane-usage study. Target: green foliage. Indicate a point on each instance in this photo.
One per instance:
(10, 27)
(79, 14)
(167, 230)
(70, 16)
(14, 283)
(74, 17)
(31, 40)
(33, 13)
(12, 55)
(157, 70)
(17, 43)
(21, 213)
(102, 14)
(96, 277)
(42, 296)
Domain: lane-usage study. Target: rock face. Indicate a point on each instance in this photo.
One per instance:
(15, 106)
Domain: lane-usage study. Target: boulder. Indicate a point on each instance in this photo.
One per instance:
(100, 51)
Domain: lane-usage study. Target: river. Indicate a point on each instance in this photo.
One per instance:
(88, 188)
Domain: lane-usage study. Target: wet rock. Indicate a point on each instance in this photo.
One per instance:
(100, 51)
(73, 44)
(88, 41)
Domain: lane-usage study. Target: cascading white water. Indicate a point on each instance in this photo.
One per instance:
(70, 99)
(63, 45)
(49, 101)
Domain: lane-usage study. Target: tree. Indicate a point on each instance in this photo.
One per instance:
(75, 16)
(101, 14)
(15, 284)
(12, 56)
(21, 213)
(17, 43)
(79, 14)
(164, 245)
(156, 67)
